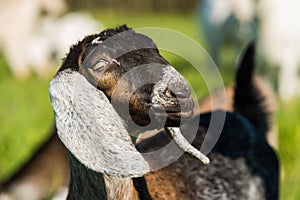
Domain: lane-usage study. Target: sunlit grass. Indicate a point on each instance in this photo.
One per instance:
(25, 117)
(288, 118)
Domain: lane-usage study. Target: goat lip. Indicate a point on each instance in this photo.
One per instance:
(172, 113)
(186, 114)
(162, 109)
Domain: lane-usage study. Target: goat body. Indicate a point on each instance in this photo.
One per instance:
(243, 165)
(236, 171)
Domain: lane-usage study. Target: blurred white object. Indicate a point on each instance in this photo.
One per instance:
(18, 20)
(29, 40)
(227, 20)
(279, 40)
(55, 36)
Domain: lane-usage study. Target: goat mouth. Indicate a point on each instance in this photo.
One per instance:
(171, 113)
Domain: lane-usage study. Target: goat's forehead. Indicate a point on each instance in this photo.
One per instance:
(124, 45)
(122, 42)
(124, 38)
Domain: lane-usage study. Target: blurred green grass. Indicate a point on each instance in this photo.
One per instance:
(288, 118)
(26, 115)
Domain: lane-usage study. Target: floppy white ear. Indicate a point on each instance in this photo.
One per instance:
(91, 129)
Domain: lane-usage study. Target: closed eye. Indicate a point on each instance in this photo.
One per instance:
(100, 64)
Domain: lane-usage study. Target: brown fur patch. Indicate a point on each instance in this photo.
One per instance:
(80, 57)
(164, 184)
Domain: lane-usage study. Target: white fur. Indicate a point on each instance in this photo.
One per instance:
(118, 188)
(170, 76)
(91, 129)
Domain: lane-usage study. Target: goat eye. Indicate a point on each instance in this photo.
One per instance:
(100, 65)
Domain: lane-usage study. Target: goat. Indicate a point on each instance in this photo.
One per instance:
(274, 23)
(226, 21)
(174, 182)
(100, 76)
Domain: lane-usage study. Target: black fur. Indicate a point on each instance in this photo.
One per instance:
(140, 185)
(239, 138)
(85, 183)
(71, 61)
(247, 99)
(239, 145)
(242, 138)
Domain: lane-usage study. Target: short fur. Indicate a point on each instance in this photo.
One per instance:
(241, 162)
(247, 99)
(243, 165)
(88, 96)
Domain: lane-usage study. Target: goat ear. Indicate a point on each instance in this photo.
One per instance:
(91, 129)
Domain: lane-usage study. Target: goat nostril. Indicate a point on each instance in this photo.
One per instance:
(172, 93)
(178, 94)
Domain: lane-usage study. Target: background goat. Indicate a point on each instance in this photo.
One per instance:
(279, 39)
(30, 39)
(22, 16)
(273, 22)
(226, 22)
